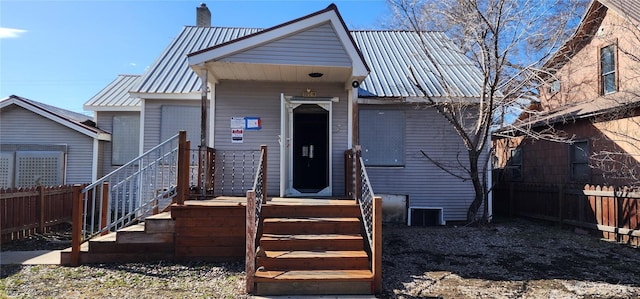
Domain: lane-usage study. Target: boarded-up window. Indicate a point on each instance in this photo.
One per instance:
(178, 118)
(125, 140)
(39, 168)
(381, 134)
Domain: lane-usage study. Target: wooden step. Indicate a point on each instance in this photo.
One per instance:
(313, 260)
(137, 234)
(108, 244)
(317, 282)
(312, 242)
(160, 223)
(346, 209)
(311, 226)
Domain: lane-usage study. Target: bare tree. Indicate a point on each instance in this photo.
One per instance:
(507, 40)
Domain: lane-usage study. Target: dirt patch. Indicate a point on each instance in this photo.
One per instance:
(514, 259)
(510, 259)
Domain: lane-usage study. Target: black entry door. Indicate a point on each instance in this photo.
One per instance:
(310, 148)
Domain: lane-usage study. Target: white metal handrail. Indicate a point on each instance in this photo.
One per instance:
(133, 191)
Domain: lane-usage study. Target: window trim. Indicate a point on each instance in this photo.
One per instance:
(572, 174)
(511, 166)
(614, 72)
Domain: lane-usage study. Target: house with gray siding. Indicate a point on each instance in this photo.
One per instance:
(46, 145)
(308, 89)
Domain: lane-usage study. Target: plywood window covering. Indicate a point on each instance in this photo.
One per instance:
(382, 136)
(608, 69)
(579, 156)
(177, 118)
(39, 167)
(125, 139)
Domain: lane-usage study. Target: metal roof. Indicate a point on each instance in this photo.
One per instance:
(115, 95)
(396, 59)
(399, 62)
(170, 73)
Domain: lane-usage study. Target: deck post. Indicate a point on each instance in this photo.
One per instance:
(76, 228)
(250, 258)
(183, 168)
(263, 150)
(40, 209)
(376, 264)
(104, 208)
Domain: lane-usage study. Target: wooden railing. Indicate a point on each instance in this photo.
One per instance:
(28, 211)
(255, 198)
(138, 189)
(359, 186)
(614, 212)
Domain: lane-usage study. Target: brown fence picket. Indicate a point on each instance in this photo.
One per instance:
(27, 211)
(614, 212)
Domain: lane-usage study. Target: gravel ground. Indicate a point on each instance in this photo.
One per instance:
(514, 259)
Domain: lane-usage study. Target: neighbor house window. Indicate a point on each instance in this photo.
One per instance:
(514, 165)
(382, 137)
(554, 87)
(608, 69)
(125, 140)
(579, 161)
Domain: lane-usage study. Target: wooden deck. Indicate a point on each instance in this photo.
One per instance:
(236, 200)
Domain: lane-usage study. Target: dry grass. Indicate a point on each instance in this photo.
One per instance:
(514, 259)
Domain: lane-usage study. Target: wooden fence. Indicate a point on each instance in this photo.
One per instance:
(28, 211)
(612, 212)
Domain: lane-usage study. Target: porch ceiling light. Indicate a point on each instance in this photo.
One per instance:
(315, 75)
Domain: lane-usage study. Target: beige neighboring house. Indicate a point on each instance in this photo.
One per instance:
(591, 95)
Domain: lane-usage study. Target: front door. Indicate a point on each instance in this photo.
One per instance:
(306, 147)
(310, 148)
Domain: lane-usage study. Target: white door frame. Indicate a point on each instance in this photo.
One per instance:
(287, 104)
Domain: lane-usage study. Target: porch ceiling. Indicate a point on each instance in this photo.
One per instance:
(276, 72)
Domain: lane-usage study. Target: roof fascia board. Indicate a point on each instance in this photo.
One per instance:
(53, 117)
(112, 108)
(167, 96)
(221, 51)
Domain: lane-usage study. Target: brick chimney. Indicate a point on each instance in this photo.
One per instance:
(203, 16)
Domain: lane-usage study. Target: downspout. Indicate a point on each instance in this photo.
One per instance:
(94, 160)
(203, 108)
(204, 88)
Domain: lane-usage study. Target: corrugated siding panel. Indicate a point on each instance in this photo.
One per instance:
(153, 120)
(18, 125)
(170, 73)
(423, 182)
(262, 99)
(317, 46)
(393, 55)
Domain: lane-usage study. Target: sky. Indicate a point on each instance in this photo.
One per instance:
(64, 52)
